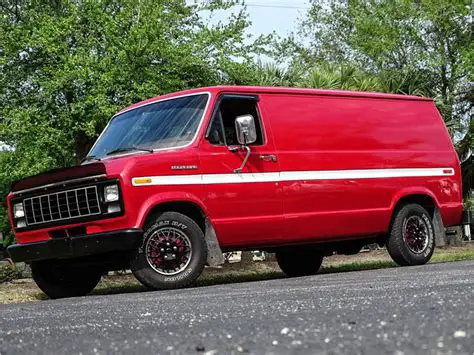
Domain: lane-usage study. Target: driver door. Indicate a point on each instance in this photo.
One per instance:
(245, 208)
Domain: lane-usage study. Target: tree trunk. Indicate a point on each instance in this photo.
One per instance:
(456, 239)
(270, 256)
(246, 258)
(82, 146)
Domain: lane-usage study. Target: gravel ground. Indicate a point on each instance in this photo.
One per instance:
(425, 309)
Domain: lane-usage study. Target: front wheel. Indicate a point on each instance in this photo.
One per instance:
(299, 261)
(173, 252)
(411, 240)
(59, 279)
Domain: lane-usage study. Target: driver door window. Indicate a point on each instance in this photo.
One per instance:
(222, 129)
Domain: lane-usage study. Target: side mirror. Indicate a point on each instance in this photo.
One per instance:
(245, 128)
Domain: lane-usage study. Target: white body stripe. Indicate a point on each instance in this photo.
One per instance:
(209, 179)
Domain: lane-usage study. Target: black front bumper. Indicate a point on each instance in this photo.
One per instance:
(65, 248)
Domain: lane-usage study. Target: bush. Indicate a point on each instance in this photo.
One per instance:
(14, 272)
(9, 273)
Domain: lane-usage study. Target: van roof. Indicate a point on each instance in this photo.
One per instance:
(280, 90)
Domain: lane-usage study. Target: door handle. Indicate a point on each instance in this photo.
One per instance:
(268, 157)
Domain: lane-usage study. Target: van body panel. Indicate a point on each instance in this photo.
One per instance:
(347, 134)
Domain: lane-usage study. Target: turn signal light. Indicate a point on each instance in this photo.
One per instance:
(141, 181)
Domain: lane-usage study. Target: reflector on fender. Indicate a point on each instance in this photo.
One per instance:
(142, 181)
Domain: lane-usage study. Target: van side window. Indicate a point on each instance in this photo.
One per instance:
(222, 128)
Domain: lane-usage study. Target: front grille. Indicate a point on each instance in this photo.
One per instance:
(58, 206)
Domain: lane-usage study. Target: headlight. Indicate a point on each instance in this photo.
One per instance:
(21, 223)
(18, 211)
(111, 193)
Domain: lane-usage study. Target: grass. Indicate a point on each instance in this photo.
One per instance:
(18, 291)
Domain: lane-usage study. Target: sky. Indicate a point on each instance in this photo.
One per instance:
(280, 16)
(267, 16)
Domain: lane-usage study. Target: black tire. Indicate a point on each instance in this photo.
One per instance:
(299, 262)
(413, 247)
(59, 279)
(174, 273)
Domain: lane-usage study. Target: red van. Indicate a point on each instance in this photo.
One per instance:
(175, 180)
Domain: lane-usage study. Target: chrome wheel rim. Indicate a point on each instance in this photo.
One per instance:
(168, 251)
(416, 234)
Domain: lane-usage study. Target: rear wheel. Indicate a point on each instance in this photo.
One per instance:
(173, 253)
(59, 279)
(411, 240)
(299, 262)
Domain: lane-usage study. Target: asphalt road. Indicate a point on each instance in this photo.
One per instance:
(427, 309)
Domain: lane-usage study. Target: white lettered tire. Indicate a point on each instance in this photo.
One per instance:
(173, 252)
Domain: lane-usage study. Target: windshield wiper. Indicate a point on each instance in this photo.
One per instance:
(89, 157)
(128, 149)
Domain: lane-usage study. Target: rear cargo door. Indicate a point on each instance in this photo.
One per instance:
(245, 207)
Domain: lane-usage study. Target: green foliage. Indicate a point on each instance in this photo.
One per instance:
(67, 66)
(9, 273)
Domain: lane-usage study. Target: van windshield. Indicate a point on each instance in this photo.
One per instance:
(165, 124)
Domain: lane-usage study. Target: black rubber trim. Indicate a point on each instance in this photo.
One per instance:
(65, 248)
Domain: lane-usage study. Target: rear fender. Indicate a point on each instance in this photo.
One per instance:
(412, 191)
(439, 230)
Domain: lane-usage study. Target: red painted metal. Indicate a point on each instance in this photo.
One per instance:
(307, 130)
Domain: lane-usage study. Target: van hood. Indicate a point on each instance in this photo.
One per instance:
(122, 166)
(58, 175)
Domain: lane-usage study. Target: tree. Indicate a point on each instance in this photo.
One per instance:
(67, 66)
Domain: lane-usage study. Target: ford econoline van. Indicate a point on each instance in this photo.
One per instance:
(174, 181)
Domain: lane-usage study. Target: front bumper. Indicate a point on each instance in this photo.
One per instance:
(64, 248)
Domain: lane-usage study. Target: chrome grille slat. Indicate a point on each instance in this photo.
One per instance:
(67, 203)
(87, 201)
(59, 206)
(77, 203)
(52, 208)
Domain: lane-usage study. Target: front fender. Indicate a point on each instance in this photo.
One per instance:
(214, 252)
(164, 197)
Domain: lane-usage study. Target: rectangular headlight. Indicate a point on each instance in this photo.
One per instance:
(21, 223)
(111, 193)
(18, 211)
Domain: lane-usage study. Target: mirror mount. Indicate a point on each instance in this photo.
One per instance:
(247, 155)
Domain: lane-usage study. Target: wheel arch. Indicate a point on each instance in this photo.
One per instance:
(191, 207)
(428, 201)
